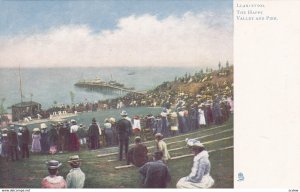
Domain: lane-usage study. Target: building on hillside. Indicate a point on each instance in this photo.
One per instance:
(25, 109)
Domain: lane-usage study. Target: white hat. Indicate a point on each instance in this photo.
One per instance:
(43, 126)
(36, 129)
(123, 113)
(174, 114)
(193, 143)
(112, 119)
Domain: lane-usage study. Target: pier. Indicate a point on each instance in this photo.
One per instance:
(110, 86)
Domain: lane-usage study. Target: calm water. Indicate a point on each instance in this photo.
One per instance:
(54, 84)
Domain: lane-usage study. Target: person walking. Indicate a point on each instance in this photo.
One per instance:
(124, 129)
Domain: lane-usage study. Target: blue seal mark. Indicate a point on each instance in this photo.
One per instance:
(241, 176)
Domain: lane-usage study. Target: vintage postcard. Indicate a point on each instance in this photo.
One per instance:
(116, 94)
(139, 94)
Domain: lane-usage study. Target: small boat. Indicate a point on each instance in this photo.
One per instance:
(131, 73)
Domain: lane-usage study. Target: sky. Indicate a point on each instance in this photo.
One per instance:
(95, 33)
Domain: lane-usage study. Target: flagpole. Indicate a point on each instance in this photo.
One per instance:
(20, 84)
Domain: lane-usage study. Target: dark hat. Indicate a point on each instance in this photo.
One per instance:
(94, 120)
(137, 139)
(53, 164)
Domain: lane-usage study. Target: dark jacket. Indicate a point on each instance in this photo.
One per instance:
(155, 175)
(124, 128)
(26, 137)
(138, 155)
(53, 136)
(93, 130)
(12, 139)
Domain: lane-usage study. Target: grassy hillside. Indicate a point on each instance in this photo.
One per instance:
(101, 173)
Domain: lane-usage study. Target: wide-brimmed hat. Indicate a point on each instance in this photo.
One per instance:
(43, 126)
(193, 143)
(73, 121)
(4, 129)
(113, 120)
(36, 130)
(74, 160)
(53, 164)
(159, 135)
(123, 113)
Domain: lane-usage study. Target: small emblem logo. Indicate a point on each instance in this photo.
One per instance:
(241, 176)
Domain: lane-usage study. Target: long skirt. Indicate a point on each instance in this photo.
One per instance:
(74, 142)
(206, 182)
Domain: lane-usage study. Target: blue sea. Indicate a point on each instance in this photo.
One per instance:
(53, 85)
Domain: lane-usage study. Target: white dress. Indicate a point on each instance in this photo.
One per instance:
(201, 117)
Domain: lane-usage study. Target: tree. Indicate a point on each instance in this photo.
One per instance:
(72, 96)
(201, 72)
(2, 109)
(31, 95)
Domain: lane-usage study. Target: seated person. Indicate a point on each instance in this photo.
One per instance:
(155, 174)
(199, 176)
(138, 154)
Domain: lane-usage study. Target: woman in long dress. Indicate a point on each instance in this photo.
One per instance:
(36, 144)
(202, 121)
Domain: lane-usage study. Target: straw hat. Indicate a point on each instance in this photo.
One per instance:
(43, 126)
(113, 120)
(53, 164)
(36, 130)
(74, 160)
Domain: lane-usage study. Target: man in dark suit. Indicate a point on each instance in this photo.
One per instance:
(13, 143)
(25, 142)
(93, 133)
(124, 129)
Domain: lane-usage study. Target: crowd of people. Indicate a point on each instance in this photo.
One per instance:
(181, 113)
(69, 136)
(208, 84)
